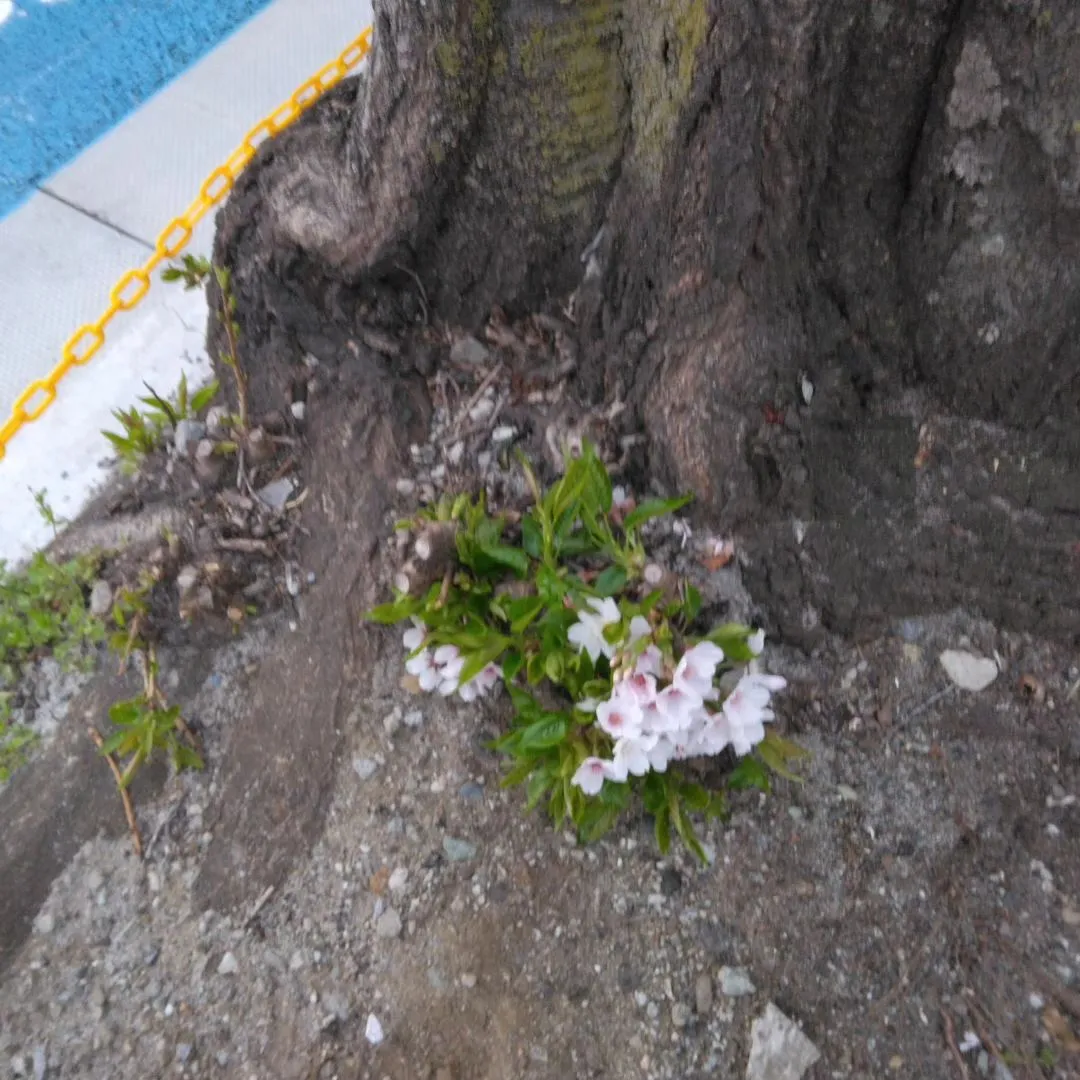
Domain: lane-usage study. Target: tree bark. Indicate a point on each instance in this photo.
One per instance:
(741, 198)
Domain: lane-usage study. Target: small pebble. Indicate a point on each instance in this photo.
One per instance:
(228, 965)
(373, 1030)
(414, 719)
(101, 599)
(398, 879)
(458, 850)
(45, 923)
(405, 486)
(471, 792)
(735, 982)
(388, 925)
(681, 1014)
(703, 994)
(364, 767)
(392, 721)
(468, 980)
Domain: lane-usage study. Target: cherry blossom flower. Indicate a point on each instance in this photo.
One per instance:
(650, 662)
(632, 755)
(479, 685)
(639, 687)
(620, 716)
(661, 754)
(696, 670)
(588, 632)
(592, 773)
(449, 662)
(423, 666)
(747, 710)
(414, 637)
(678, 707)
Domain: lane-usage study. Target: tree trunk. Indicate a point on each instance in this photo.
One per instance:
(878, 200)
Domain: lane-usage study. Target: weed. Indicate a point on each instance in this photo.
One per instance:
(143, 430)
(43, 611)
(613, 686)
(193, 271)
(46, 512)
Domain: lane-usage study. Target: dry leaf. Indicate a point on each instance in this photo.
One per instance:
(410, 684)
(1057, 1027)
(379, 881)
(718, 554)
(1033, 688)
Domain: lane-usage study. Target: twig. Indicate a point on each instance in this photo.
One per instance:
(476, 429)
(420, 285)
(259, 904)
(246, 545)
(163, 824)
(380, 343)
(444, 592)
(125, 797)
(489, 378)
(950, 1038)
(927, 704)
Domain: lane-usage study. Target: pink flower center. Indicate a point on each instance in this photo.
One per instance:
(616, 720)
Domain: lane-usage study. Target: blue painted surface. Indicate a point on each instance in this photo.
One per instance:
(70, 69)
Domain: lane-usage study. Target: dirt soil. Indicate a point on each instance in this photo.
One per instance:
(349, 853)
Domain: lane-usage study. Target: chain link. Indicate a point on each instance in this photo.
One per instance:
(82, 346)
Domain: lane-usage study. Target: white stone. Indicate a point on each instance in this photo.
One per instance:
(968, 671)
(373, 1030)
(778, 1048)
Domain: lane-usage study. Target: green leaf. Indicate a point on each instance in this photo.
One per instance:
(662, 828)
(532, 538)
(114, 742)
(550, 586)
(691, 603)
(520, 772)
(654, 793)
(539, 785)
(126, 713)
(545, 733)
(186, 758)
(777, 752)
(477, 661)
(685, 828)
(202, 398)
(554, 667)
(611, 582)
(596, 820)
(653, 508)
(731, 637)
(395, 612)
(749, 773)
(695, 797)
(511, 665)
(522, 612)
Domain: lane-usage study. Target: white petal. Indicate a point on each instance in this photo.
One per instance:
(639, 628)
(584, 637)
(419, 663)
(447, 654)
(429, 679)
(373, 1030)
(590, 775)
(413, 638)
(607, 610)
(756, 642)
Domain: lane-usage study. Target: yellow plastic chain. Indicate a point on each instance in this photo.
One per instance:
(135, 284)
